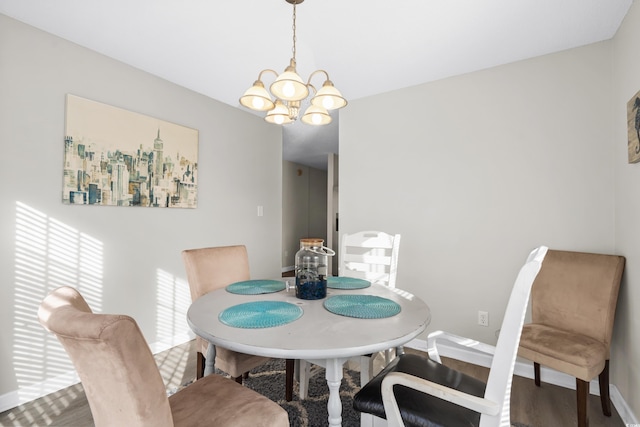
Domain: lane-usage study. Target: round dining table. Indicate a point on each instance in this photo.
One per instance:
(315, 334)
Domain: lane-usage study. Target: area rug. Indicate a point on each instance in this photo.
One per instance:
(269, 380)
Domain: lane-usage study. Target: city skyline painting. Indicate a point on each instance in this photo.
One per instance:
(115, 157)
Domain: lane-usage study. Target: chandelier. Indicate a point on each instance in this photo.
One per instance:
(289, 90)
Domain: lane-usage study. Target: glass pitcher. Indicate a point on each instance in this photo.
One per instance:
(311, 269)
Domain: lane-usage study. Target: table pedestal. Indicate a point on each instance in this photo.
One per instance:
(210, 360)
(333, 374)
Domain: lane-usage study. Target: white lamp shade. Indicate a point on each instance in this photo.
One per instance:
(279, 115)
(329, 97)
(289, 86)
(317, 116)
(257, 98)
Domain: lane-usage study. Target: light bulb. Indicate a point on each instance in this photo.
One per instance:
(288, 89)
(257, 102)
(278, 119)
(316, 119)
(327, 102)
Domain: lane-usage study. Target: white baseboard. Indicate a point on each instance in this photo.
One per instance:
(524, 369)
(167, 343)
(622, 407)
(35, 391)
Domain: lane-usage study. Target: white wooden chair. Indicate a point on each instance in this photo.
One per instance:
(369, 255)
(434, 394)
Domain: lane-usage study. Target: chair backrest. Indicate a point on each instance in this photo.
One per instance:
(578, 292)
(118, 372)
(501, 373)
(370, 255)
(213, 268)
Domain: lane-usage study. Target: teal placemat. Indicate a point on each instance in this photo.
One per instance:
(362, 306)
(255, 287)
(347, 283)
(260, 314)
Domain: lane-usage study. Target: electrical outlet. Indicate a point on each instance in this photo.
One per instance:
(483, 318)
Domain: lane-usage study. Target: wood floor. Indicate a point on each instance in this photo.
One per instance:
(547, 406)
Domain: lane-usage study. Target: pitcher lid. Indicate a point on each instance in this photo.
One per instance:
(312, 241)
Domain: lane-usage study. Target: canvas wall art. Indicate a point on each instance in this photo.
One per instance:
(115, 157)
(633, 128)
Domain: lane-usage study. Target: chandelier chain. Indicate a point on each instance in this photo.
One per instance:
(294, 30)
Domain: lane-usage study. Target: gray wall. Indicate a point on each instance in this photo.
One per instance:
(304, 208)
(132, 264)
(474, 171)
(625, 363)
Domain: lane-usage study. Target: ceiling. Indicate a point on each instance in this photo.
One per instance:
(218, 47)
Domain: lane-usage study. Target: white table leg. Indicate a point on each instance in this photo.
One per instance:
(366, 369)
(334, 379)
(304, 372)
(210, 362)
(366, 420)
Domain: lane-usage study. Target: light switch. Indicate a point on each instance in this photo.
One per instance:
(260, 211)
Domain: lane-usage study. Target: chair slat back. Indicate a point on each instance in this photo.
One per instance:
(370, 255)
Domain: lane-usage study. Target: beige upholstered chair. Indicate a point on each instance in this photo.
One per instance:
(573, 303)
(209, 269)
(122, 381)
(436, 395)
